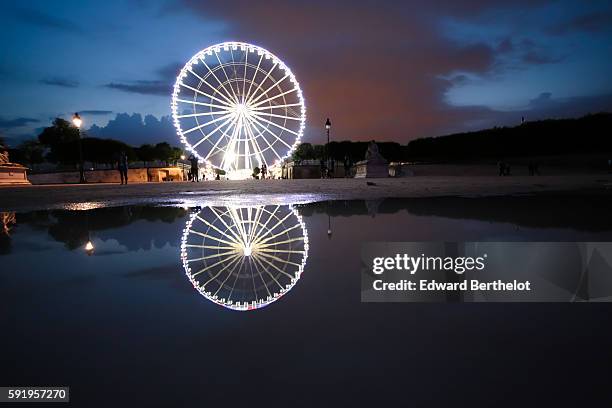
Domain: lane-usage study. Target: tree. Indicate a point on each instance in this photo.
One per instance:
(62, 139)
(29, 152)
(146, 153)
(163, 152)
(303, 152)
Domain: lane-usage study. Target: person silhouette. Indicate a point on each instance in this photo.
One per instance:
(195, 171)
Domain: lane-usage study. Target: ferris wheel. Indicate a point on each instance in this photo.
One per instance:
(244, 258)
(237, 106)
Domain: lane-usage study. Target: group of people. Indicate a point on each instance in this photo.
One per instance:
(504, 168)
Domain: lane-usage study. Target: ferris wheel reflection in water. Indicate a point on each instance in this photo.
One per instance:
(244, 258)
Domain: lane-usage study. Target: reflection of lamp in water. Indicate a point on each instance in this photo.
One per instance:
(329, 231)
(89, 248)
(244, 258)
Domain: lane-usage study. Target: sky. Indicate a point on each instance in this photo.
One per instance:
(384, 70)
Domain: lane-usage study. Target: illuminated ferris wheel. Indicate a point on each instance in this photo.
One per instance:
(237, 106)
(244, 258)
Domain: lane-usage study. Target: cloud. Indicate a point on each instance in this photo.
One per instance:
(16, 123)
(537, 58)
(135, 129)
(377, 69)
(143, 87)
(40, 19)
(161, 86)
(63, 82)
(592, 22)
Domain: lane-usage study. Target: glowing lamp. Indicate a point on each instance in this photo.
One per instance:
(77, 121)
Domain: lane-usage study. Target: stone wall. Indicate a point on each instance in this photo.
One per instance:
(142, 175)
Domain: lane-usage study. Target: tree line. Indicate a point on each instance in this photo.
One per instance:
(586, 135)
(59, 144)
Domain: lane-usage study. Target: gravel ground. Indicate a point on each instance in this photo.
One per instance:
(24, 198)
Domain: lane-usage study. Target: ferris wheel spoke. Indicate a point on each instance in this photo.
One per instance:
(228, 115)
(276, 258)
(262, 82)
(217, 255)
(261, 158)
(273, 265)
(223, 133)
(208, 267)
(203, 235)
(246, 98)
(288, 105)
(225, 104)
(273, 97)
(262, 242)
(226, 77)
(203, 81)
(258, 213)
(210, 225)
(246, 65)
(235, 76)
(192, 115)
(236, 279)
(284, 251)
(230, 229)
(228, 94)
(262, 94)
(280, 221)
(260, 277)
(233, 261)
(271, 133)
(229, 143)
(264, 138)
(262, 266)
(228, 120)
(259, 114)
(276, 243)
(211, 105)
(278, 126)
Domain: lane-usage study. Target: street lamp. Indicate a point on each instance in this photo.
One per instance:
(77, 122)
(327, 127)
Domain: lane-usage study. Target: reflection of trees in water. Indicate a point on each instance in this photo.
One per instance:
(579, 212)
(7, 221)
(73, 228)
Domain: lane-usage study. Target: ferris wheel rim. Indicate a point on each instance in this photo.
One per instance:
(257, 303)
(261, 116)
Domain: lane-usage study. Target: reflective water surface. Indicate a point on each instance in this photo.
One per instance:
(139, 317)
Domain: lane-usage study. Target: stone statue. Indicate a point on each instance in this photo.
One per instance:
(373, 155)
(374, 165)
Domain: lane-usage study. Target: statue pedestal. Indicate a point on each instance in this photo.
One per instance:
(13, 174)
(367, 169)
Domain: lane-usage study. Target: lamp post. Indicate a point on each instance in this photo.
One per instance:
(327, 127)
(77, 122)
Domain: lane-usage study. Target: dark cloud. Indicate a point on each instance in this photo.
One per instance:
(136, 130)
(144, 87)
(44, 20)
(537, 58)
(63, 82)
(593, 22)
(16, 123)
(169, 72)
(95, 112)
(377, 68)
(543, 106)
